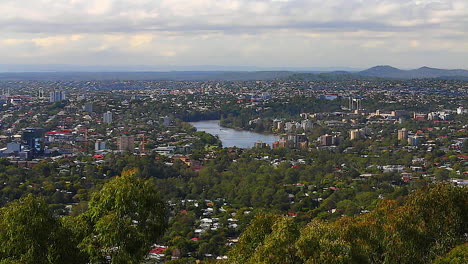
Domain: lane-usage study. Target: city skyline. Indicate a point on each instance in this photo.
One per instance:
(281, 33)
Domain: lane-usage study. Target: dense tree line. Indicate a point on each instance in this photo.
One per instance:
(426, 225)
(121, 223)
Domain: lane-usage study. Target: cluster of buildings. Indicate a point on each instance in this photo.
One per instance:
(291, 141)
(57, 96)
(330, 140)
(76, 126)
(280, 126)
(445, 115)
(27, 145)
(413, 140)
(299, 141)
(359, 133)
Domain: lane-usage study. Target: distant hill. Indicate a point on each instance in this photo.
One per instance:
(328, 76)
(381, 72)
(246, 76)
(423, 72)
(160, 76)
(426, 72)
(385, 72)
(159, 68)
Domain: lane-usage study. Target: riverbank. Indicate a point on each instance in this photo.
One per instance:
(231, 137)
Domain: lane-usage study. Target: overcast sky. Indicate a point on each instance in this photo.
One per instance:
(264, 33)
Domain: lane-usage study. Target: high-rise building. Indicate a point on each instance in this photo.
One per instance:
(402, 134)
(414, 140)
(291, 126)
(57, 96)
(279, 126)
(293, 141)
(354, 134)
(107, 117)
(301, 138)
(326, 140)
(261, 144)
(307, 124)
(99, 145)
(336, 140)
(33, 138)
(126, 143)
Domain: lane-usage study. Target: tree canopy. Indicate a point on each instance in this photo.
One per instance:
(428, 224)
(29, 233)
(123, 220)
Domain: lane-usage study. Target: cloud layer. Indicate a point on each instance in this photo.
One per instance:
(300, 33)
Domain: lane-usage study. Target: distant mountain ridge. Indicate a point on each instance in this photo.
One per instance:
(423, 72)
(382, 71)
(377, 72)
(23, 68)
(147, 76)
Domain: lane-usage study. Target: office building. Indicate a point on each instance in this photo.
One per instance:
(279, 125)
(326, 140)
(33, 138)
(402, 134)
(291, 126)
(354, 134)
(107, 117)
(261, 144)
(414, 140)
(126, 143)
(57, 96)
(307, 125)
(99, 145)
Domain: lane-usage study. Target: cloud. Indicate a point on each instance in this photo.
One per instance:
(234, 31)
(89, 16)
(140, 40)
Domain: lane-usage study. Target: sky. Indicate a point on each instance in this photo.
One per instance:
(262, 33)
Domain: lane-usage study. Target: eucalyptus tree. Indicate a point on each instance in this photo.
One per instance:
(123, 220)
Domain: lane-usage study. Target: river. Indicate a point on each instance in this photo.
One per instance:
(232, 137)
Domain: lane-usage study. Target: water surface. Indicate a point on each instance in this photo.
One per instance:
(232, 137)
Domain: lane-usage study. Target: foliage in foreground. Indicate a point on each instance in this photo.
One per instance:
(427, 225)
(29, 233)
(122, 222)
(457, 255)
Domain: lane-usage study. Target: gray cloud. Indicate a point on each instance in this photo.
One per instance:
(82, 16)
(251, 31)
